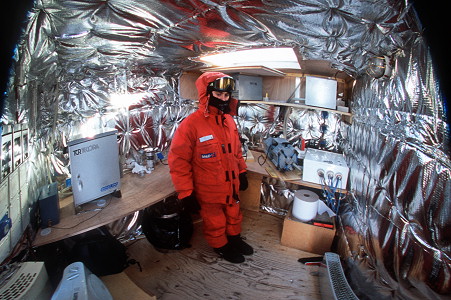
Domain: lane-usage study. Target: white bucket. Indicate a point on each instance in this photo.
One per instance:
(305, 205)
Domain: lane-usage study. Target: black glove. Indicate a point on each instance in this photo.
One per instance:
(243, 181)
(190, 203)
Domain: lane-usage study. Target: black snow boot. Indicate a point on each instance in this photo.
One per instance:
(230, 254)
(241, 246)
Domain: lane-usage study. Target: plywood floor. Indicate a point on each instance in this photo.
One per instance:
(272, 272)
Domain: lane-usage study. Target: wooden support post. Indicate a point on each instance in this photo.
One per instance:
(250, 198)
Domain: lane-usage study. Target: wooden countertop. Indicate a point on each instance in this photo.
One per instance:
(137, 193)
(141, 192)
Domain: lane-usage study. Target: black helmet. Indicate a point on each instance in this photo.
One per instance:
(222, 84)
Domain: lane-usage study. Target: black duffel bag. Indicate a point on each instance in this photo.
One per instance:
(168, 225)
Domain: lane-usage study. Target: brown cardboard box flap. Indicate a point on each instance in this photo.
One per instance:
(307, 237)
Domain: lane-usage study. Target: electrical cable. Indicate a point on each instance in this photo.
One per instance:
(330, 190)
(266, 154)
(264, 161)
(99, 210)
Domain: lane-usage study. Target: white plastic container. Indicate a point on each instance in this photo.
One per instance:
(329, 163)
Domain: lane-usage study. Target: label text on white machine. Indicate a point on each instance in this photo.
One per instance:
(86, 149)
(109, 186)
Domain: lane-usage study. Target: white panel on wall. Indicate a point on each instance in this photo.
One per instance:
(14, 185)
(4, 196)
(24, 208)
(5, 247)
(16, 229)
(23, 173)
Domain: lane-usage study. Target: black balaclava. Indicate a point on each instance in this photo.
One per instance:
(219, 104)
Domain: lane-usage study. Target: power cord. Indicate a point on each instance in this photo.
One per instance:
(330, 190)
(85, 211)
(266, 156)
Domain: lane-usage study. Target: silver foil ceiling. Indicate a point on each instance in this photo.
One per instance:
(394, 233)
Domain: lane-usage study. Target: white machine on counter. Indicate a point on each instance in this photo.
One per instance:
(331, 165)
(94, 164)
(79, 283)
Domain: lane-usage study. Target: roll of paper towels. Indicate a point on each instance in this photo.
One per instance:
(305, 205)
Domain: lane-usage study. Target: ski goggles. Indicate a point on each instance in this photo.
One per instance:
(223, 84)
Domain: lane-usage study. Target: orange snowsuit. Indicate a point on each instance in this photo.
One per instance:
(205, 158)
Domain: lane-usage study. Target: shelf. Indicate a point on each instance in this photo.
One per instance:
(249, 70)
(259, 168)
(301, 106)
(267, 169)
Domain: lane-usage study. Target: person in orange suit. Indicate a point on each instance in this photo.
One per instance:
(207, 167)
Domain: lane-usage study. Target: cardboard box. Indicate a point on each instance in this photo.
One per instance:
(306, 237)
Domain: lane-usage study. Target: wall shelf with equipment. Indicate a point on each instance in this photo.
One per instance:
(250, 198)
(347, 116)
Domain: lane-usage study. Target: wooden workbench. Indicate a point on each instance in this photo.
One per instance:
(138, 192)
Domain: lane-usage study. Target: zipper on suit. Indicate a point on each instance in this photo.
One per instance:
(227, 149)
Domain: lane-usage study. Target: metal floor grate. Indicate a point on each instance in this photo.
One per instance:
(333, 280)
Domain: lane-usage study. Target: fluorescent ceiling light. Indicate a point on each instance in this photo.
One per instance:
(125, 100)
(276, 58)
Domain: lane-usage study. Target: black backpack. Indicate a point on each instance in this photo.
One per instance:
(100, 251)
